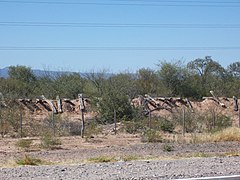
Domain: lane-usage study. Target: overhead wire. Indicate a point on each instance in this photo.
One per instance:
(75, 48)
(170, 3)
(135, 3)
(181, 1)
(116, 25)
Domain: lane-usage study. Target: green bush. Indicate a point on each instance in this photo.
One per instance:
(48, 141)
(222, 122)
(133, 127)
(167, 148)
(151, 135)
(91, 129)
(166, 125)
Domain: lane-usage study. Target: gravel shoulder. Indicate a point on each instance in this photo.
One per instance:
(155, 169)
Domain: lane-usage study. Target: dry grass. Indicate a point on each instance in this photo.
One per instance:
(131, 158)
(24, 144)
(232, 154)
(101, 159)
(106, 159)
(228, 134)
(28, 160)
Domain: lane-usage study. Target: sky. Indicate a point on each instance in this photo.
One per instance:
(133, 47)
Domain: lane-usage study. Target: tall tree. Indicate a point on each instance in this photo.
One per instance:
(22, 73)
(210, 73)
(147, 81)
(69, 85)
(115, 99)
(234, 69)
(126, 83)
(22, 81)
(173, 76)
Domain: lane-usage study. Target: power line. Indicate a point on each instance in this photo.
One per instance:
(74, 48)
(154, 4)
(180, 1)
(116, 25)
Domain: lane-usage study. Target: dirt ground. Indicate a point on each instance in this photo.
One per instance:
(77, 150)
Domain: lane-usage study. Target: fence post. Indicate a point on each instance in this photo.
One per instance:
(21, 123)
(184, 119)
(214, 118)
(235, 102)
(82, 108)
(149, 119)
(53, 123)
(115, 122)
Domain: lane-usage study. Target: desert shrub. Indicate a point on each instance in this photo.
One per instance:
(158, 124)
(101, 159)
(151, 135)
(130, 158)
(214, 121)
(191, 120)
(27, 160)
(210, 121)
(167, 147)
(72, 127)
(222, 122)
(4, 127)
(91, 129)
(48, 141)
(9, 119)
(24, 144)
(133, 127)
(166, 125)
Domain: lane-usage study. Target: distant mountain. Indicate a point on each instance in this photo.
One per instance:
(41, 73)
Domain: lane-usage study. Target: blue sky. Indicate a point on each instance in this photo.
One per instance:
(115, 60)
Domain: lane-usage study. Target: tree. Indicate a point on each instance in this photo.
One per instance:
(174, 76)
(232, 86)
(114, 98)
(95, 83)
(209, 73)
(47, 87)
(147, 81)
(69, 85)
(234, 69)
(22, 81)
(22, 73)
(126, 83)
(206, 66)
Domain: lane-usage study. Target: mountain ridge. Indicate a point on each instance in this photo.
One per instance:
(42, 73)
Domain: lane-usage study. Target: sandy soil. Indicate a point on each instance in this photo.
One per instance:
(76, 150)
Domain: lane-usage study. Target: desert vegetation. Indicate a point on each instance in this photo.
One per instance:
(109, 100)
